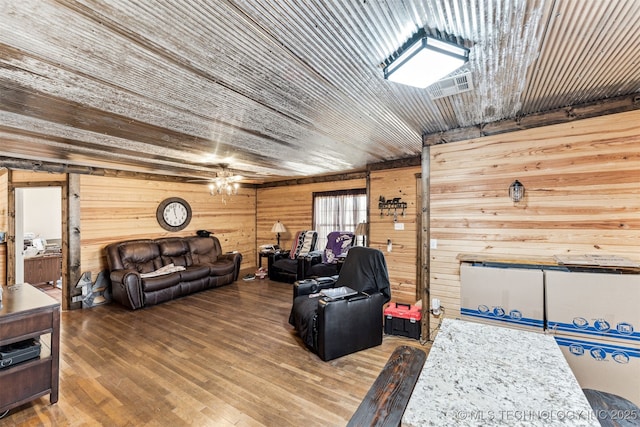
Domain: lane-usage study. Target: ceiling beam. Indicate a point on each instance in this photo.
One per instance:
(51, 167)
(561, 115)
(395, 164)
(314, 179)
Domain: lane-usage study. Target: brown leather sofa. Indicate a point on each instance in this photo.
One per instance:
(198, 264)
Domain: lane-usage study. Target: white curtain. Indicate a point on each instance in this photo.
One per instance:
(338, 212)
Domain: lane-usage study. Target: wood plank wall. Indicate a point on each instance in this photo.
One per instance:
(401, 261)
(292, 205)
(582, 196)
(4, 199)
(115, 209)
(4, 212)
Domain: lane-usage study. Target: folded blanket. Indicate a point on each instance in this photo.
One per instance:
(167, 269)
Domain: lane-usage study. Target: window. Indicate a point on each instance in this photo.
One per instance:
(338, 211)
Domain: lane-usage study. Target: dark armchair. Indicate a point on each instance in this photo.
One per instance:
(334, 328)
(289, 266)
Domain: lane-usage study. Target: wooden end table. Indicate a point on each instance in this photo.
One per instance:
(25, 313)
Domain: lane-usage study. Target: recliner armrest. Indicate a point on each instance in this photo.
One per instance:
(236, 257)
(363, 315)
(126, 288)
(312, 286)
(118, 275)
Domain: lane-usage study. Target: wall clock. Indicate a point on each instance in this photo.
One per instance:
(173, 214)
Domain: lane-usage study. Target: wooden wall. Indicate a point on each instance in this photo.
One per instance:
(115, 209)
(4, 212)
(582, 183)
(4, 199)
(402, 260)
(292, 205)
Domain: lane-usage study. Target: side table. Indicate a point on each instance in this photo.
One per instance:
(26, 312)
(264, 254)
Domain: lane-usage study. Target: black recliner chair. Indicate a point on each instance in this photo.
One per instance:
(335, 327)
(289, 266)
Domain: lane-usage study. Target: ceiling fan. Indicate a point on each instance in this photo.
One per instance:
(225, 182)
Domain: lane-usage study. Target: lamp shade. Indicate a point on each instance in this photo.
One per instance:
(425, 62)
(361, 229)
(278, 227)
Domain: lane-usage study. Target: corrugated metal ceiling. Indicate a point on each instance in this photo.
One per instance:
(280, 88)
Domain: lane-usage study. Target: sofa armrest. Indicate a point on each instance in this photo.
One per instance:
(349, 325)
(126, 287)
(236, 257)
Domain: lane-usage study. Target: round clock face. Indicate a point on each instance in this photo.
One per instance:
(173, 214)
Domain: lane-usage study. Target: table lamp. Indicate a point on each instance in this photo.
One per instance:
(278, 228)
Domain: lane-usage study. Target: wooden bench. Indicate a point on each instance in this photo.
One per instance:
(389, 395)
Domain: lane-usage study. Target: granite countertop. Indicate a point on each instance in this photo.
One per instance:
(484, 375)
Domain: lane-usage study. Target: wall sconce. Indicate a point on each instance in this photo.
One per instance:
(278, 228)
(395, 204)
(516, 191)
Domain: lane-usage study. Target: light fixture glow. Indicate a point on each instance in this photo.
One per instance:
(425, 62)
(226, 184)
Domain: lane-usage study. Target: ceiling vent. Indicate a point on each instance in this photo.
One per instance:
(451, 86)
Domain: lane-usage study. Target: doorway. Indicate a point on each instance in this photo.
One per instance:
(38, 238)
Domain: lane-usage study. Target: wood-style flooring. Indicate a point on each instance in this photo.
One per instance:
(223, 357)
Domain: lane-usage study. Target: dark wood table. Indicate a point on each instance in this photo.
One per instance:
(26, 313)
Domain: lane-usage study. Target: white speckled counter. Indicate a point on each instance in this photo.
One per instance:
(484, 375)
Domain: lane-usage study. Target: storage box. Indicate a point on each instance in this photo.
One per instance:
(594, 305)
(599, 364)
(511, 297)
(403, 320)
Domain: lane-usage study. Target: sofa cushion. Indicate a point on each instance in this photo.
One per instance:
(194, 272)
(150, 284)
(286, 264)
(143, 257)
(204, 250)
(175, 251)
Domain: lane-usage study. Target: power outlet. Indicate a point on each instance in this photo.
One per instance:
(435, 307)
(433, 243)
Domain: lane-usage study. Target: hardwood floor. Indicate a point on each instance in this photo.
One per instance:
(223, 357)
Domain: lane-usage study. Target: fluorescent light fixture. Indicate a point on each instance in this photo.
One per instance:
(425, 62)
